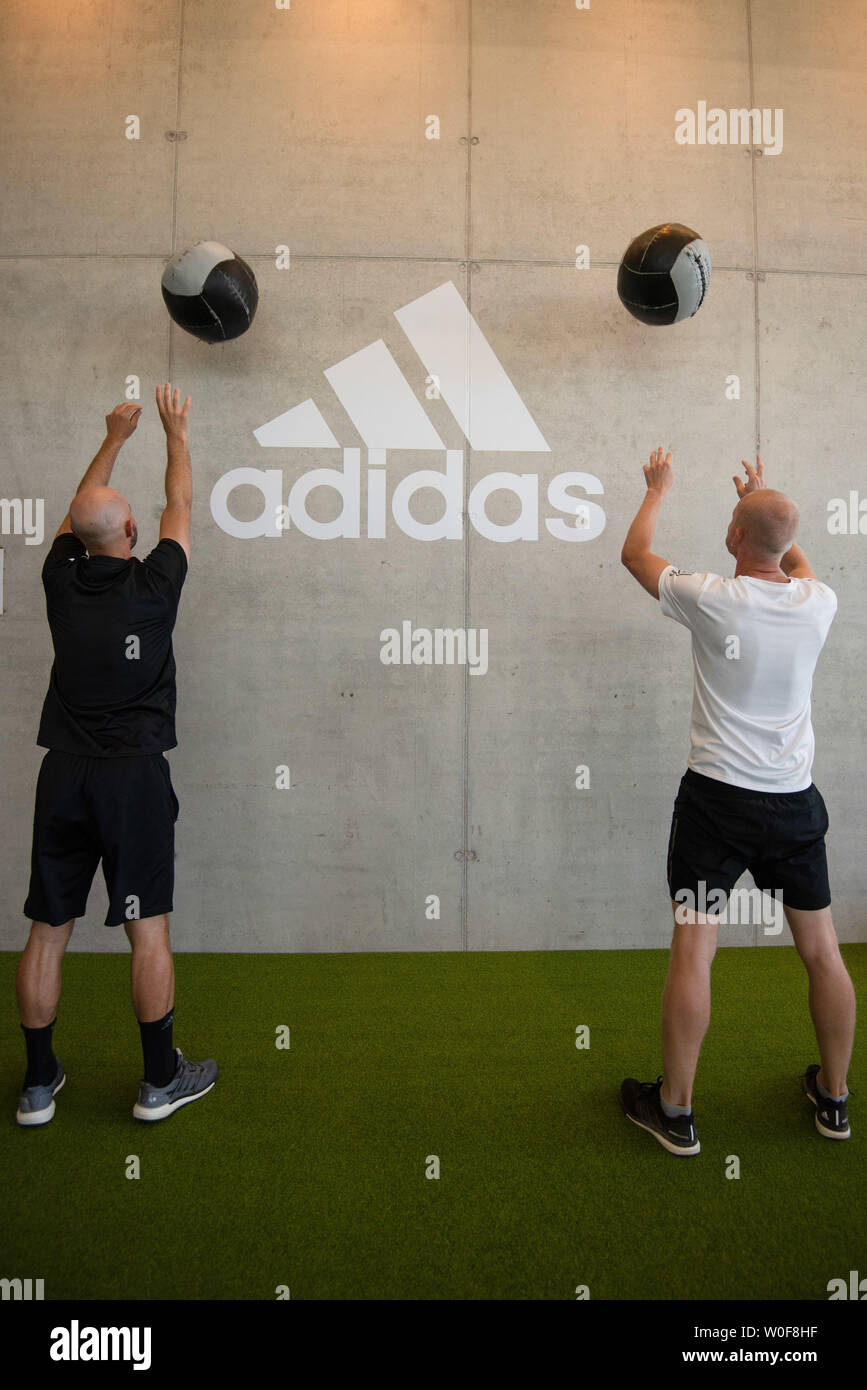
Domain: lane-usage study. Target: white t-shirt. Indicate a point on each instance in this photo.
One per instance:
(755, 644)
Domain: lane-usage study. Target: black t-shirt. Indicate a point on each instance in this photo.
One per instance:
(112, 690)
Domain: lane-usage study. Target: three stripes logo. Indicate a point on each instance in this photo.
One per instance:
(385, 411)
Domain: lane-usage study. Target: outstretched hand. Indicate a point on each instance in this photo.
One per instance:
(174, 416)
(755, 478)
(659, 474)
(122, 421)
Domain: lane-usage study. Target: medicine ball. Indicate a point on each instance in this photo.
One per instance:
(210, 292)
(664, 274)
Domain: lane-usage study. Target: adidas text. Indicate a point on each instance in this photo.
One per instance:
(585, 519)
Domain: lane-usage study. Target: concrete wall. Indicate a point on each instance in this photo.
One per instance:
(306, 127)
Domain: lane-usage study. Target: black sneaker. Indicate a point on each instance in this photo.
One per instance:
(831, 1117)
(191, 1081)
(640, 1102)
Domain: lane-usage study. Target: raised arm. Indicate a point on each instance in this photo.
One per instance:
(119, 425)
(636, 554)
(175, 521)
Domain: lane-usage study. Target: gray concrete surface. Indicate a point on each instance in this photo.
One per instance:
(305, 127)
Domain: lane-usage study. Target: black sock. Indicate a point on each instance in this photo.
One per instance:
(160, 1059)
(41, 1061)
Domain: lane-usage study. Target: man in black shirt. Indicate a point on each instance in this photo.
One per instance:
(104, 789)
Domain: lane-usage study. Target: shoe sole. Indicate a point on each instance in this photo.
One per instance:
(141, 1112)
(827, 1133)
(666, 1143)
(40, 1117)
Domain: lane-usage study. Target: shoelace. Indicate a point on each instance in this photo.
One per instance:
(189, 1072)
(649, 1086)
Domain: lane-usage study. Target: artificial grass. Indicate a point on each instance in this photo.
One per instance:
(306, 1167)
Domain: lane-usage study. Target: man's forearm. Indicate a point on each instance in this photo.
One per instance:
(99, 472)
(179, 471)
(793, 557)
(639, 537)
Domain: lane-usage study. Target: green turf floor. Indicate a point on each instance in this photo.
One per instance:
(306, 1167)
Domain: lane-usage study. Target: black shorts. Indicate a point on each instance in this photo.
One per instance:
(718, 831)
(119, 810)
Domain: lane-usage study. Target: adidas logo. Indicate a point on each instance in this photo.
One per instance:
(465, 373)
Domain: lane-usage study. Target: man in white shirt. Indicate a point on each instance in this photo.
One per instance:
(747, 800)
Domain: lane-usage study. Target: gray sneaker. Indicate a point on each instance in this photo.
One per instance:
(190, 1081)
(36, 1106)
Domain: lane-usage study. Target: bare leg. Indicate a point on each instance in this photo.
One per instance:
(686, 1001)
(38, 978)
(152, 969)
(832, 994)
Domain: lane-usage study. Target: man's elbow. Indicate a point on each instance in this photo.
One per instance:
(625, 559)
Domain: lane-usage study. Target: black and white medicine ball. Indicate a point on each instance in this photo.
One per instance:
(210, 292)
(664, 274)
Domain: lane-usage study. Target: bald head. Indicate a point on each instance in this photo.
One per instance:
(769, 521)
(98, 517)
